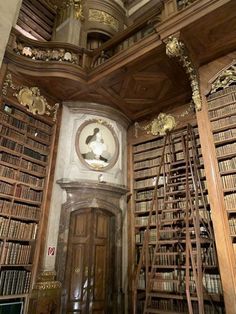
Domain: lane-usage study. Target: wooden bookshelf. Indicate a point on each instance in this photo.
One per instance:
(222, 115)
(169, 285)
(26, 145)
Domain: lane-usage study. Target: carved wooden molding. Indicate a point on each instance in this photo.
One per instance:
(226, 78)
(30, 98)
(176, 48)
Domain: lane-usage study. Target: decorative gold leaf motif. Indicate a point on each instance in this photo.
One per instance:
(225, 79)
(30, 98)
(160, 125)
(176, 48)
(103, 18)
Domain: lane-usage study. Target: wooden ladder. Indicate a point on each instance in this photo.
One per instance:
(181, 230)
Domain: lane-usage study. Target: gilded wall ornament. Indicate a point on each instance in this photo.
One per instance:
(176, 48)
(164, 122)
(30, 98)
(161, 125)
(103, 18)
(225, 79)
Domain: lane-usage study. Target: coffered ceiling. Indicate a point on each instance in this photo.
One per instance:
(142, 80)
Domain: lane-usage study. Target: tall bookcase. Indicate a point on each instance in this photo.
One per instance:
(26, 146)
(167, 246)
(222, 115)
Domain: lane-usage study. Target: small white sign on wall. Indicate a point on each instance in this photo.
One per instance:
(51, 250)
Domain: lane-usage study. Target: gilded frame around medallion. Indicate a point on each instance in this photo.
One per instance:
(97, 145)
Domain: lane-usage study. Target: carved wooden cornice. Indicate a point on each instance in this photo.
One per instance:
(176, 48)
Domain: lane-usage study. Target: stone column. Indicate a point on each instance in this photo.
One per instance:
(69, 19)
(8, 16)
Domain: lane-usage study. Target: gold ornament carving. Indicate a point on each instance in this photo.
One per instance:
(62, 5)
(7, 83)
(163, 122)
(176, 48)
(46, 281)
(103, 18)
(30, 98)
(225, 79)
(47, 54)
(161, 125)
(46, 285)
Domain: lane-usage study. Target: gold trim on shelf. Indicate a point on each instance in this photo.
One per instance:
(103, 18)
(176, 48)
(225, 79)
(30, 98)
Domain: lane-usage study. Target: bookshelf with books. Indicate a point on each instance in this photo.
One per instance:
(222, 116)
(166, 229)
(26, 148)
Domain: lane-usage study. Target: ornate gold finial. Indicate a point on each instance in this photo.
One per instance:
(75, 4)
(78, 10)
(30, 98)
(225, 79)
(160, 125)
(176, 48)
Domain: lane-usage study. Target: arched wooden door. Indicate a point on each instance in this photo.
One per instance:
(89, 272)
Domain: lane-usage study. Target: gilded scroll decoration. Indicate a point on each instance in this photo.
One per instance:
(103, 18)
(30, 98)
(225, 79)
(164, 122)
(176, 48)
(161, 125)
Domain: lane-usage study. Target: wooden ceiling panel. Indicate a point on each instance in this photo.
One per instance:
(214, 35)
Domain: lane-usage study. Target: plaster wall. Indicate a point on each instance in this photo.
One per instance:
(69, 167)
(8, 16)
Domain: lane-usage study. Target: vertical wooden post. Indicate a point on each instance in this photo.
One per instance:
(226, 257)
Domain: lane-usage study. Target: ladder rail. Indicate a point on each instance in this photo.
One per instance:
(159, 220)
(144, 254)
(178, 218)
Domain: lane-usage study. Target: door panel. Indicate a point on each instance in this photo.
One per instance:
(78, 261)
(103, 252)
(89, 279)
(100, 273)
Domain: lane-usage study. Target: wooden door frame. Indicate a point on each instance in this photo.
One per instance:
(96, 197)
